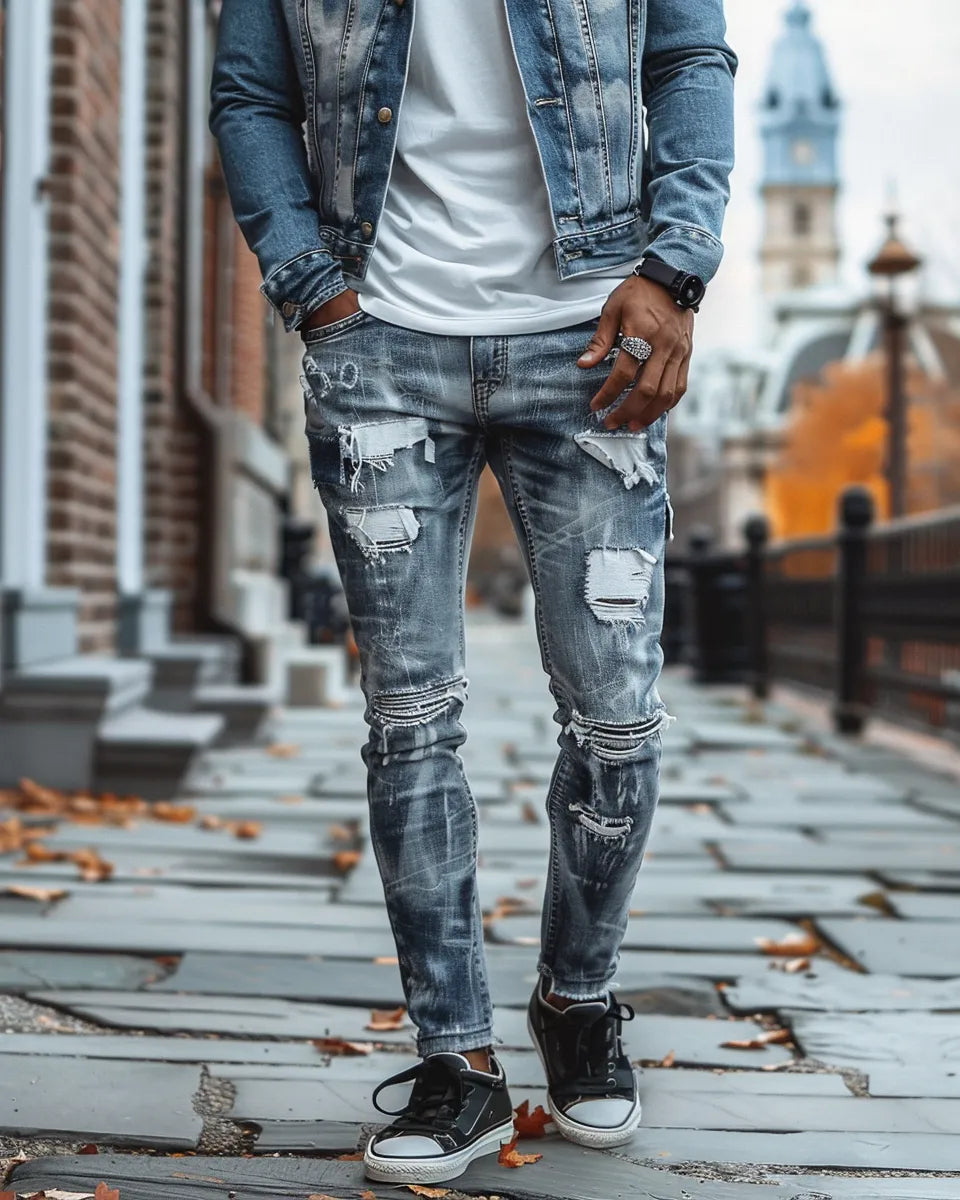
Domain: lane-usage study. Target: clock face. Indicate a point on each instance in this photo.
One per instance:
(802, 151)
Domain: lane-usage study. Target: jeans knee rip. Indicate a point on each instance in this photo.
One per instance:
(618, 583)
(625, 453)
(382, 529)
(612, 743)
(607, 829)
(405, 710)
(374, 444)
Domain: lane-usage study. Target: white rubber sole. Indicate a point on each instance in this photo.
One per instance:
(595, 1136)
(434, 1170)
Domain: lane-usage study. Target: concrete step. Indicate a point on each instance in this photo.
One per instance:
(317, 676)
(186, 664)
(148, 753)
(50, 716)
(244, 708)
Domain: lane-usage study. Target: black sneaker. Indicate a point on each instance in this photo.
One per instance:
(591, 1086)
(454, 1115)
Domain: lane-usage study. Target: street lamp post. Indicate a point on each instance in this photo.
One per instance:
(893, 260)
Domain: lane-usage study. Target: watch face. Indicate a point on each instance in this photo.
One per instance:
(691, 290)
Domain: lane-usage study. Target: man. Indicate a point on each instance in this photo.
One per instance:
(448, 201)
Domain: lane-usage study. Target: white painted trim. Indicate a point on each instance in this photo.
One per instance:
(132, 302)
(23, 399)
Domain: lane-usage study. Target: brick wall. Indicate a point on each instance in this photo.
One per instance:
(172, 446)
(85, 153)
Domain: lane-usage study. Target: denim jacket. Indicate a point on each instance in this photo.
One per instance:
(306, 95)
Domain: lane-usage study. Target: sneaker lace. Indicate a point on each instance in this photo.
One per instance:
(598, 1047)
(435, 1101)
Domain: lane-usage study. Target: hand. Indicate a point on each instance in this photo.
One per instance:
(335, 309)
(641, 308)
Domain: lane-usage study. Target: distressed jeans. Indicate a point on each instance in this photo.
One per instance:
(399, 425)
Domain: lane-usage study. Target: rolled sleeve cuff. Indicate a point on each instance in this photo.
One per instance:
(300, 286)
(688, 248)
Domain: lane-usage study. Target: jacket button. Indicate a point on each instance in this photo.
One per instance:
(366, 228)
(385, 116)
(289, 308)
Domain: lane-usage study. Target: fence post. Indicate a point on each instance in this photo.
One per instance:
(856, 516)
(757, 532)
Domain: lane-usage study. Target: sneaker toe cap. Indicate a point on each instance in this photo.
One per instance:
(411, 1145)
(601, 1114)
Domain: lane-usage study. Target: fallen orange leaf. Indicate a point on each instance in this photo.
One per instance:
(89, 1148)
(178, 814)
(211, 821)
(419, 1190)
(339, 1047)
(283, 750)
(386, 960)
(343, 860)
(793, 965)
(529, 1124)
(529, 813)
(355, 1157)
(339, 833)
(44, 895)
(668, 1059)
(762, 1039)
(105, 1193)
(247, 830)
(509, 1157)
(384, 1019)
(792, 946)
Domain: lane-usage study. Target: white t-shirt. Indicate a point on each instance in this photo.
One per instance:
(464, 244)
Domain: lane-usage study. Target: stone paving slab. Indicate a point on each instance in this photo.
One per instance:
(930, 948)
(71, 1098)
(136, 1049)
(838, 816)
(564, 1167)
(927, 907)
(808, 855)
(849, 992)
(665, 933)
(895, 1081)
(910, 1039)
(25, 971)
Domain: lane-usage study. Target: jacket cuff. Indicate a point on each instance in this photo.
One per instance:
(688, 248)
(300, 286)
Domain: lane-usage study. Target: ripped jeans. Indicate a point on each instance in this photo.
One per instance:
(399, 425)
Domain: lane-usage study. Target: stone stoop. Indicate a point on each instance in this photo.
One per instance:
(317, 676)
(244, 708)
(50, 714)
(148, 753)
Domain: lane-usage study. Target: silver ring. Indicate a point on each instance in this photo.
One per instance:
(636, 347)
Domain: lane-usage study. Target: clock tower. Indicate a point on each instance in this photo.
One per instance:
(800, 124)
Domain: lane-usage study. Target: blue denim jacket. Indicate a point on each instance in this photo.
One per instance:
(306, 96)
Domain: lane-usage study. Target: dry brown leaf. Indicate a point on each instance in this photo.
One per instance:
(768, 1037)
(339, 1047)
(339, 833)
(93, 868)
(793, 965)
(211, 821)
(529, 1124)
(177, 814)
(509, 1157)
(387, 960)
(289, 799)
(247, 830)
(383, 1019)
(792, 946)
(343, 860)
(355, 1157)
(37, 852)
(43, 895)
(106, 1193)
(669, 1059)
(368, 1196)
(89, 1148)
(419, 1190)
(8, 1196)
(283, 750)
(529, 813)
(321, 1196)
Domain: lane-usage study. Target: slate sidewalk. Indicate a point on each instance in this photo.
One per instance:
(166, 1015)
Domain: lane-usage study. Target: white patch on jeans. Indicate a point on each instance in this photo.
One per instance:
(374, 444)
(625, 453)
(383, 529)
(618, 583)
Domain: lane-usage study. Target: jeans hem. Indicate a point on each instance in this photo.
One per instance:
(469, 1039)
(578, 989)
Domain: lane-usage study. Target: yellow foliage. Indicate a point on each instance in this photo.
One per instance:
(837, 436)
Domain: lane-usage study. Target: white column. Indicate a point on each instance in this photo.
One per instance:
(23, 400)
(132, 308)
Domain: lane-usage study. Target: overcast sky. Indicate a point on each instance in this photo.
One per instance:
(896, 67)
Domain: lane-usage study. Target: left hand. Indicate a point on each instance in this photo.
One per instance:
(641, 308)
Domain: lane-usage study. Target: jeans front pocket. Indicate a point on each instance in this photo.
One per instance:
(322, 333)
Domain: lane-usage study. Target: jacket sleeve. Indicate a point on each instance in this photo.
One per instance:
(257, 114)
(687, 86)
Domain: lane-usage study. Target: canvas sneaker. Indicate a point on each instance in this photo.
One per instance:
(592, 1088)
(455, 1114)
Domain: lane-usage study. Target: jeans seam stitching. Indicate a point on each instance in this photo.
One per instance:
(563, 770)
(531, 548)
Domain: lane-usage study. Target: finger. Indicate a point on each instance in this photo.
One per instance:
(683, 377)
(603, 340)
(624, 372)
(646, 389)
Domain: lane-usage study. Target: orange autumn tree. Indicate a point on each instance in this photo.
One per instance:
(837, 436)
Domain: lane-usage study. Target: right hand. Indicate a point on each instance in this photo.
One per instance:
(335, 309)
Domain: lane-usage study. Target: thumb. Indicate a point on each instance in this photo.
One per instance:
(603, 340)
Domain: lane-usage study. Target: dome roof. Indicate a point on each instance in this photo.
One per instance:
(798, 82)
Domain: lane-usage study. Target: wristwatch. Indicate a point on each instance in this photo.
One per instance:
(687, 290)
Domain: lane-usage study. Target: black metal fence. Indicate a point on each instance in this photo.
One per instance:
(869, 615)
